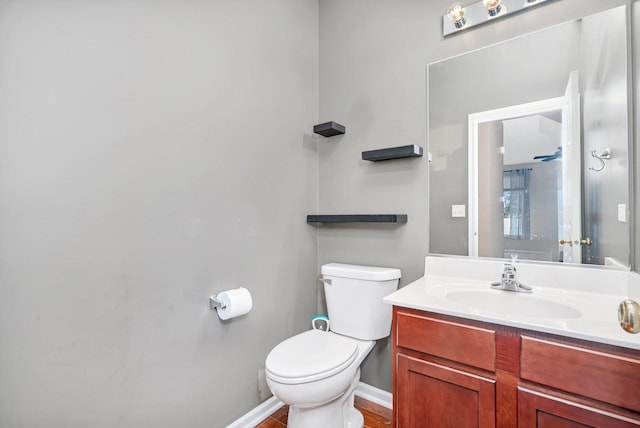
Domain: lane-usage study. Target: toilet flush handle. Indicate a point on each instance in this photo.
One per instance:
(325, 280)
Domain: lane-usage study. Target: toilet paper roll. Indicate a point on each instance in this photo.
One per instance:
(235, 303)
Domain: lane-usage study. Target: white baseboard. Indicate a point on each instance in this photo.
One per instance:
(375, 395)
(267, 408)
(258, 414)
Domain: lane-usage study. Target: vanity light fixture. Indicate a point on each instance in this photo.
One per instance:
(460, 17)
(456, 15)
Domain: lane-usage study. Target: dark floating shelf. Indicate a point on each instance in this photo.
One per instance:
(411, 151)
(357, 218)
(329, 129)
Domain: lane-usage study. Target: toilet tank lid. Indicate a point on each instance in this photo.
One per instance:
(370, 273)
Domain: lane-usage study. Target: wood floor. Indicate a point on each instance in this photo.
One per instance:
(375, 416)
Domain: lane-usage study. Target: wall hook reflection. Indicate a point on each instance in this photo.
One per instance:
(605, 155)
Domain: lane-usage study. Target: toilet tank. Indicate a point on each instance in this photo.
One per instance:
(354, 299)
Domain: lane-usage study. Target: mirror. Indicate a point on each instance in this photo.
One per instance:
(529, 145)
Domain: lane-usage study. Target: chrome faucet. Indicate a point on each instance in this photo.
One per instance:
(510, 281)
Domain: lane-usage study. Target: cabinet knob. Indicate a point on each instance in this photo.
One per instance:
(629, 316)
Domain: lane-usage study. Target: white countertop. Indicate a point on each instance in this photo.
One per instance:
(591, 315)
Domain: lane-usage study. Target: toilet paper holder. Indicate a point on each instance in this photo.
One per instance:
(215, 303)
(231, 303)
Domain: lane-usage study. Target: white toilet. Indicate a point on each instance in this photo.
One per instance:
(316, 372)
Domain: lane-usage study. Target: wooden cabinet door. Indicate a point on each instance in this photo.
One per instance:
(540, 410)
(433, 395)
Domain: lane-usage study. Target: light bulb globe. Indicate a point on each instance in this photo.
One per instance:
(493, 6)
(456, 15)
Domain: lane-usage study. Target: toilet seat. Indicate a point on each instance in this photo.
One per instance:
(310, 356)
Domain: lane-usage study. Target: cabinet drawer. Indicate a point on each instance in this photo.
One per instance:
(472, 346)
(541, 410)
(605, 377)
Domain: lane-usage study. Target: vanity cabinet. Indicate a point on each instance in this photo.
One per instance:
(453, 372)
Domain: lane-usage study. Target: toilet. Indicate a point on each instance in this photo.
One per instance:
(316, 372)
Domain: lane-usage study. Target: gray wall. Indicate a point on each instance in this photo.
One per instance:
(151, 153)
(373, 61)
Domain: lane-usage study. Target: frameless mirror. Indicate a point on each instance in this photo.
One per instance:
(529, 145)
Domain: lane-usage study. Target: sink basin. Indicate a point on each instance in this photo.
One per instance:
(508, 303)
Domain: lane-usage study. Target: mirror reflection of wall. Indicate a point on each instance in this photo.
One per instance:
(524, 70)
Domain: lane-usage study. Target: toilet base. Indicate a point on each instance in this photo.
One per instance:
(355, 419)
(339, 413)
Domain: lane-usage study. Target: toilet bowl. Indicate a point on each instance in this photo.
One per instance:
(316, 372)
